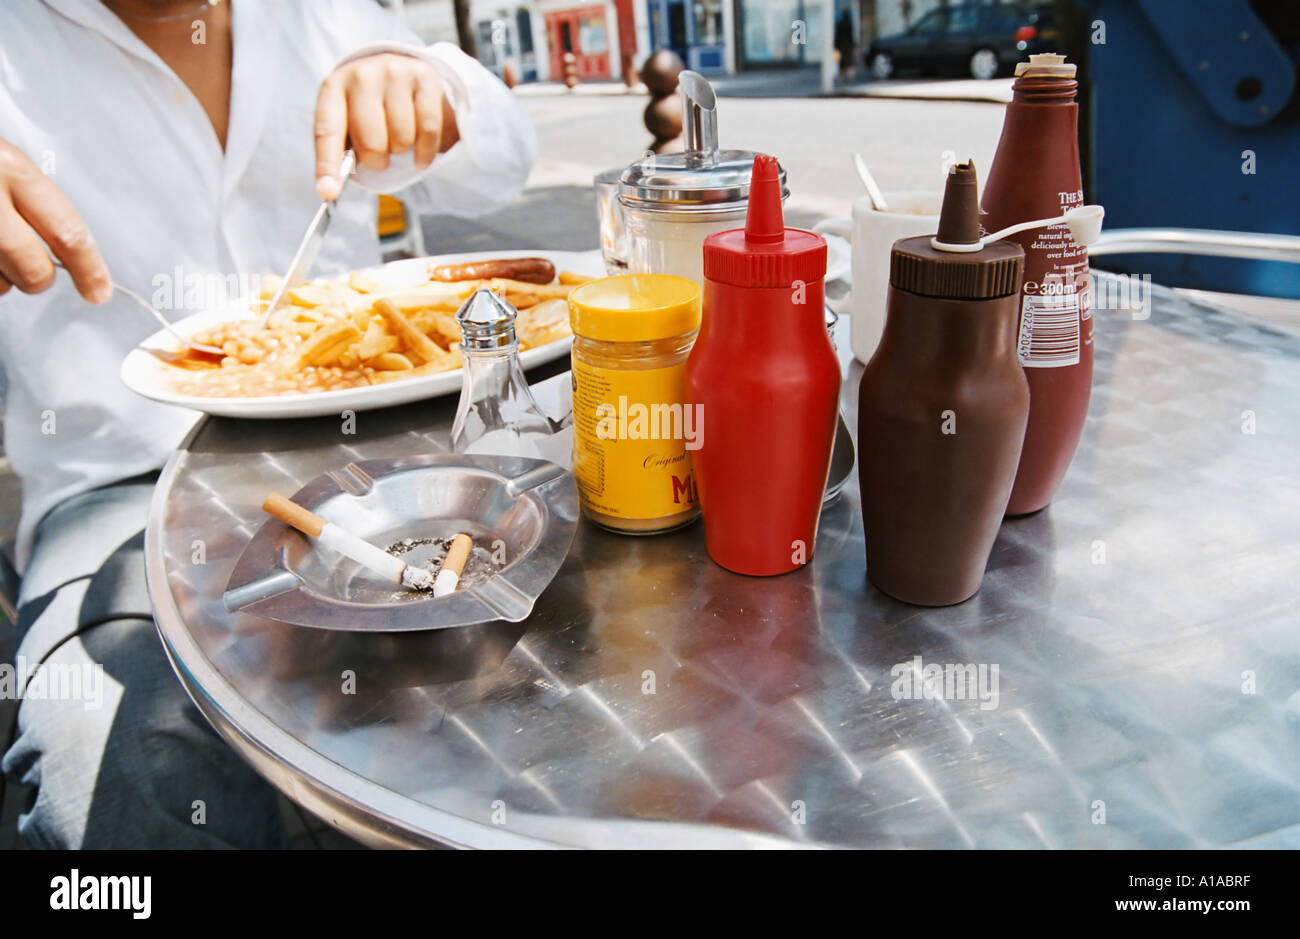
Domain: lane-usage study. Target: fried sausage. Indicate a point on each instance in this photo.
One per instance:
(531, 270)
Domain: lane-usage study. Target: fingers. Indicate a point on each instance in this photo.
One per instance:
(367, 121)
(428, 119)
(380, 105)
(51, 216)
(34, 214)
(399, 110)
(331, 132)
(24, 262)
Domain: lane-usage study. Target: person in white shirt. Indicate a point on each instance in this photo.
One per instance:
(146, 140)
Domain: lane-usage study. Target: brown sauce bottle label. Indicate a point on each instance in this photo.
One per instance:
(1056, 298)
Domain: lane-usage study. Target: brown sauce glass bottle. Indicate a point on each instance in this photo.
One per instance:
(1035, 174)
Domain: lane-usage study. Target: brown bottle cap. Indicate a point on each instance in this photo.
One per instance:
(916, 266)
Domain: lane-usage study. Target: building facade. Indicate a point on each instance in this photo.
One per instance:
(609, 37)
(590, 30)
(506, 33)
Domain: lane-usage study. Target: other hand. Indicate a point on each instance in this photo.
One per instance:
(36, 219)
(383, 104)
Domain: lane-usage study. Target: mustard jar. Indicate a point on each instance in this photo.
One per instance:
(633, 431)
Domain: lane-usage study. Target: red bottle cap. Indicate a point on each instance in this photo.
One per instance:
(764, 253)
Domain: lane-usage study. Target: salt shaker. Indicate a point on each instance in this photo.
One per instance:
(497, 413)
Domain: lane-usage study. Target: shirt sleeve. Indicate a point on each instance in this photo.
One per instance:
(489, 164)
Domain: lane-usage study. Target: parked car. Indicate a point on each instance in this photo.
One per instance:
(980, 39)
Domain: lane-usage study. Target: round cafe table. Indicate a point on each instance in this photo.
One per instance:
(1134, 653)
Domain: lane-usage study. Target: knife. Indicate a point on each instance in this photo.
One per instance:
(311, 242)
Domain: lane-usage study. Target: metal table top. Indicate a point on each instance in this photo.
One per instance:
(1143, 628)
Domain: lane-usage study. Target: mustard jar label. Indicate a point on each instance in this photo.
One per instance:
(633, 435)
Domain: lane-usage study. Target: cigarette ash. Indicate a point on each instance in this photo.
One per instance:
(417, 578)
(427, 554)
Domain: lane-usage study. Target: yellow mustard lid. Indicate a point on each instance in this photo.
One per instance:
(635, 308)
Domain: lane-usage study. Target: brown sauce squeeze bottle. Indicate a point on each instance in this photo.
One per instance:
(1035, 174)
(942, 407)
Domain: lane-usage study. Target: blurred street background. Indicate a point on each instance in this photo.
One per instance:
(527, 40)
(907, 83)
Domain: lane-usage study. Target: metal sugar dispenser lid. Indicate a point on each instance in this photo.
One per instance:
(702, 178)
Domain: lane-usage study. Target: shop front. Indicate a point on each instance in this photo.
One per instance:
(584, 31)
(509, 39)
(694, 29)
(780, 32)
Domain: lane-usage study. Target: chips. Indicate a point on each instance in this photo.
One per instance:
(360, 331)
(546, 322)
(424, 348)
(328, 344)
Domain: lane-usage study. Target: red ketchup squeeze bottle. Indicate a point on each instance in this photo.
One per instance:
(1035, 174)
(766, 381)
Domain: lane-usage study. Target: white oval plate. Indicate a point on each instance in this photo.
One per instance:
(147, 375)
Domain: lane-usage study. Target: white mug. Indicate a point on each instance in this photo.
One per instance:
(871, 235)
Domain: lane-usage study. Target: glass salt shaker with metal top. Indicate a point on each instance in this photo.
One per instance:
(497, 413)
(669, 203)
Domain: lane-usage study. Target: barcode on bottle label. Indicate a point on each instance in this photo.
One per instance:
(1049, 331)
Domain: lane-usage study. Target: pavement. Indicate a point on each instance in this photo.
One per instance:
(908, 144)
(802, 82)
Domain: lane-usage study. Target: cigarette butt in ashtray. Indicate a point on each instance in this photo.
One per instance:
(452, 565)
(346, 543)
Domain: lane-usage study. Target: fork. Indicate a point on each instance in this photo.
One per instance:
(140, 301)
